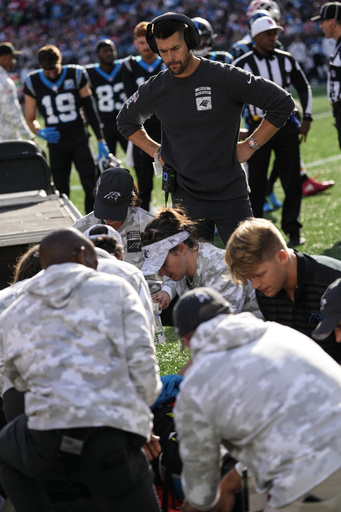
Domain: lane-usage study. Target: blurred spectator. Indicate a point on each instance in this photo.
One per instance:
(298, 50)
(75, 28)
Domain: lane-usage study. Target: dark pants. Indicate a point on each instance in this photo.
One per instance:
(13, 404)
(113, 136)
(226, 215)
(109, 462)
(285, 144)
(143, 165)
(337, 115)
(74, 148)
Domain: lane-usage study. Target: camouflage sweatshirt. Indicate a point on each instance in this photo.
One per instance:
(134, 224)
(212, 271)
(270, 396)
(12, 121)
(78, 343)
(111, 265)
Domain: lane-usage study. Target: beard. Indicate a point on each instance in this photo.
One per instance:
(181, 66)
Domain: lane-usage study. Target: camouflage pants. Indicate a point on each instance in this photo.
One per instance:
(327, 497)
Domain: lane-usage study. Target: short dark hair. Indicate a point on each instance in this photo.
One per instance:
(49, 56)
(107, 243)
(166, 28)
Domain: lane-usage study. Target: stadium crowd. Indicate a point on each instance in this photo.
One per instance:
(76, 27)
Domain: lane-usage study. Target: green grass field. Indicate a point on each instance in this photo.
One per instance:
(320, 214)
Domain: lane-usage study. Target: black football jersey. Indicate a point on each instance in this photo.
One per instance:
(108, 89)
(59, 102)
(135, 72)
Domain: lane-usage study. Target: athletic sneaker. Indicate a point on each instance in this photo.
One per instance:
(295, 239)
(267, 207)
(310, 186)
(276, 203)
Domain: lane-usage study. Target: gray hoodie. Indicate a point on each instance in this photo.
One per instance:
(270, 396)
(79, 343)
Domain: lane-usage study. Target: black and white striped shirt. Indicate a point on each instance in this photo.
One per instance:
(282, 69)
(334, 75)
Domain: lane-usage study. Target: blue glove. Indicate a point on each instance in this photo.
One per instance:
(170, 389)
(103, 150)
(51, 134)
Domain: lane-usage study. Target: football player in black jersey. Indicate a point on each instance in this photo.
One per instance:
(207, 36)
(108, 90)
(64, 99)
(135, 71)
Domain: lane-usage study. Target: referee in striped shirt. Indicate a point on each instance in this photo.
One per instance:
(330, 22)
(281, 68)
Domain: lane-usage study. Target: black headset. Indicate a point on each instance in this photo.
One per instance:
(191, 34)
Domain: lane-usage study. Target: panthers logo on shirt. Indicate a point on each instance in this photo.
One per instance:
(203, 98)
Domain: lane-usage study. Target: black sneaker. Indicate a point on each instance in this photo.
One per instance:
(295, 240)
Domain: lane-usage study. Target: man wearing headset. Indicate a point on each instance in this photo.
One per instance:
(199, 103)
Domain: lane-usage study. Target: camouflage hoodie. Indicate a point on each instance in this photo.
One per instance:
(78, 342)
(271, 396)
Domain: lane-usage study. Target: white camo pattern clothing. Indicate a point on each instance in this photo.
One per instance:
(213, 272)
(111, 265)
(12, 121)
(135, 222)
(270, 396)
(78, 343)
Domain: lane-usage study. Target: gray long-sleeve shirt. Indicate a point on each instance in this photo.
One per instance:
(200, 117)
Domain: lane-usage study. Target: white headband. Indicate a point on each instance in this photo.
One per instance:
(156, 254)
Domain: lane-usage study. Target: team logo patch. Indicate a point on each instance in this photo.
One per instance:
(113, 195)
(203, 98)
(133, 241)
(69, 84)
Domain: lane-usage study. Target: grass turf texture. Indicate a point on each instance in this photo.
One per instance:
(320, 214)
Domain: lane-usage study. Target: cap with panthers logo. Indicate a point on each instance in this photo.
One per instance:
(115, 188)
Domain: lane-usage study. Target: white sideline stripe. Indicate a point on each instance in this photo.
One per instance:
(308, 166)
(323, 161)
(321, 115)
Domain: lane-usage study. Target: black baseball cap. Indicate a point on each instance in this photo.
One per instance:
(115, 188)
(197, 306)
(104, 42)
(8, 49)
(331, 311)
(329, 11)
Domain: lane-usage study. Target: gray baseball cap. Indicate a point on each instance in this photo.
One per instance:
(331, 311)
(197, 306)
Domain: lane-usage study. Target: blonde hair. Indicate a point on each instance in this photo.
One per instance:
(253, 242)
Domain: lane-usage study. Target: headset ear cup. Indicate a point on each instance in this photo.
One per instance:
(192, 37)
(151, 39)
